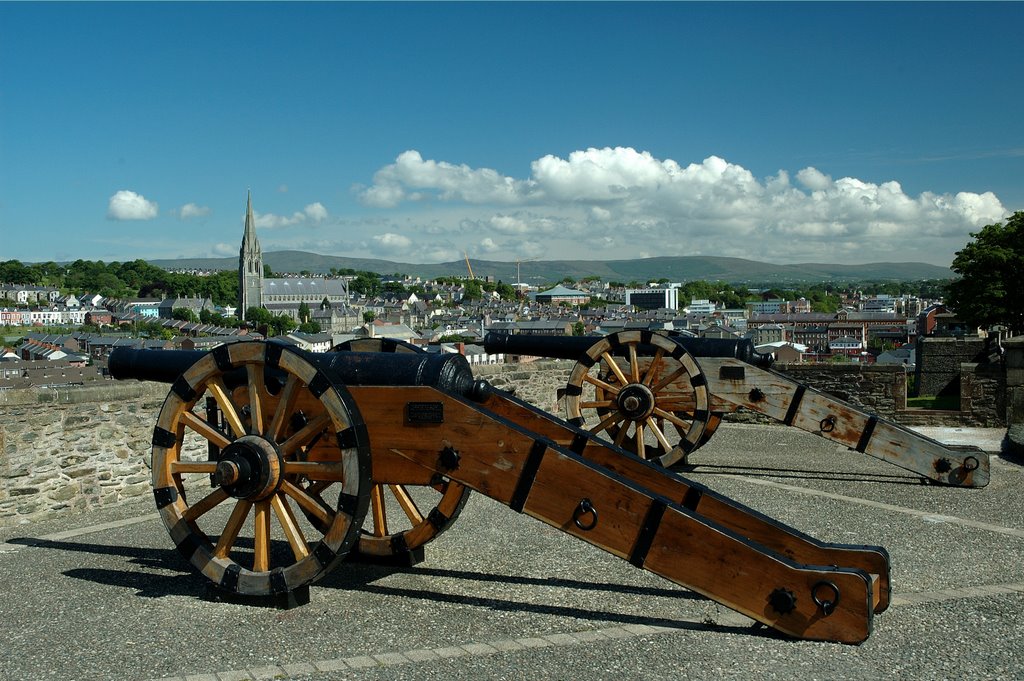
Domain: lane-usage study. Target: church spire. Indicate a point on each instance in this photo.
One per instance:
(250, 265)
(249, 238)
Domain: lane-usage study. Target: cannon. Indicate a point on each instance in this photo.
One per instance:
(663, 397)
(269, 463)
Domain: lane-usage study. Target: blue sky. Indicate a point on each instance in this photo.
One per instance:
(797, 132)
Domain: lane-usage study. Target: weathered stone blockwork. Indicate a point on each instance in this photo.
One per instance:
(74, 449)
(938, 363)
(535, 382)
(1015, 392)
(880, 390)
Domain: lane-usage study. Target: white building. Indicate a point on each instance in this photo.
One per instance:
(700, 306)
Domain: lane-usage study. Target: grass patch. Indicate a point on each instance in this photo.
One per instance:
(944, 402)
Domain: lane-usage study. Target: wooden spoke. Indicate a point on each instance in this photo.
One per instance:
(205, 429)
(317, 487)
(193, 467)
(407, 504)
(608, 387)
(254, 373)
(608, 422)
(634, 366)
(659, 435)
(316, 470)
(674, 404)
(305, 434)
(640, 440)
(652, 370)
(672, 418)
(206, 504)
(227, 406)
(620, 436)
(380, 520)
(663, 383)
(614, 366)
(284, 407)
(292, 531)
(600, 404)
(310, 503)
(232, 528)
(261, 538)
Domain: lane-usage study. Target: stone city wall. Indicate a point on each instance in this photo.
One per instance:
(76, 449)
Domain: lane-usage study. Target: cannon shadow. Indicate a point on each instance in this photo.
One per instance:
(150, 580)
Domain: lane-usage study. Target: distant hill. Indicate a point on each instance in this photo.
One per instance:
(678, 268)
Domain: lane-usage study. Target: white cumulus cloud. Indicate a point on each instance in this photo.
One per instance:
(313, 214)
(411, 177)
(620, 202)
(390, 244)
(191, 210)
(128, 205)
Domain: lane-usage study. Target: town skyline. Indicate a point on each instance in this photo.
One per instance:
(779, 133)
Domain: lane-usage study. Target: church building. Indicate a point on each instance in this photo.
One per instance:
(327, 299)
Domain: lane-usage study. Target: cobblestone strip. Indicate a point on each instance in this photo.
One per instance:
(287, 671)
(558, 640)
(925, 515)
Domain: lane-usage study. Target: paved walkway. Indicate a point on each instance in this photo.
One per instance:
(501, 596)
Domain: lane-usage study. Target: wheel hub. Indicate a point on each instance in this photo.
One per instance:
(635, 401)
(249, 468)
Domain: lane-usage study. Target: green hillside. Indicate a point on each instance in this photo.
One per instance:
(682, 268)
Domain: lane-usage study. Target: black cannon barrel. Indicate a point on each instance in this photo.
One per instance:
(573, 347)
(161, 366)
(448, 372)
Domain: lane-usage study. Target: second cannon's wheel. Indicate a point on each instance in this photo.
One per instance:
(399, 520)
(643, 391)
(249, 534)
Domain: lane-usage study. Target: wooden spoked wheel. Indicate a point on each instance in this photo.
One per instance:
(274, 425)
(643, 391)
(398, 522)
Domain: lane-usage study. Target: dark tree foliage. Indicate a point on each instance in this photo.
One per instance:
(990, 290)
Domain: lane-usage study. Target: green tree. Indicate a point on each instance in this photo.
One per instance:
(281, 324)
(309, 327)
(472, 290)
(366, 283)
(258, 316)
(304, 314)
(184, 314)
(990, 290)
(579, 329)
(369, 316)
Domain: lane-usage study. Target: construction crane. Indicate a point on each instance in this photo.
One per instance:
(520, 261)
(469, 267)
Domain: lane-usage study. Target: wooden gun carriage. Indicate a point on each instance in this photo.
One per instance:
(271, 465)
(662, 400)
